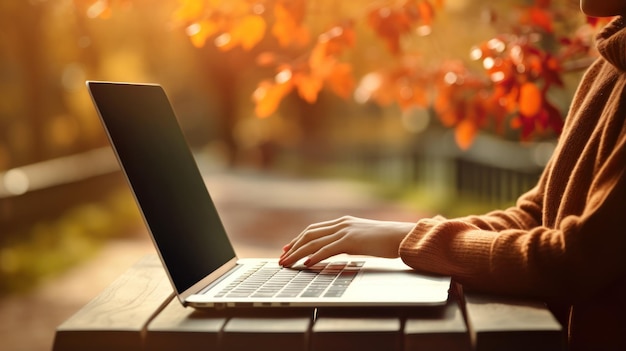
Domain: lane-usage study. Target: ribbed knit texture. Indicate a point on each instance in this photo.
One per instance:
(565, 240)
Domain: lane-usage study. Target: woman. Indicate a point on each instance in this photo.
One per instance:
(563, 242)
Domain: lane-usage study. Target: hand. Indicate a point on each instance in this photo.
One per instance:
(350, 235)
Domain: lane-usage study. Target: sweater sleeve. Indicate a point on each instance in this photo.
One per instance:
(510, 251)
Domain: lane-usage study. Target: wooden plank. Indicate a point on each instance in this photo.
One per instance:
(498, 323)
(179, 328)
(437, 329)
(115, 319)
(360, 329)
(267, 330)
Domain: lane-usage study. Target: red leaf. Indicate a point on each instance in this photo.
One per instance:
(540, 17)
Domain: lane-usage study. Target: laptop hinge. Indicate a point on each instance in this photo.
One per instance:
(209, 279)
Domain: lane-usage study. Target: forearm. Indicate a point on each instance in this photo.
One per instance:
(571, 261)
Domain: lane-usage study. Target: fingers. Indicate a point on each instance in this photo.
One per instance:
(312, 232)
(308, 246)
(331, 249)
(317, 241)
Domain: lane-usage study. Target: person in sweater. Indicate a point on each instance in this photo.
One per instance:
(563, 242)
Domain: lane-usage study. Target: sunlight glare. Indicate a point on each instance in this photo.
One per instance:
(16, 181)
(497, 76)
(423, 30)
(517, 54)
(223, 40)
(283, 76)
(260, 92)
(489, 63)
(193, 29)
(97, 9)
(334, 32)
(370, 83)
(258, 9)
(496, 45)
(451, 78)
(476, 53)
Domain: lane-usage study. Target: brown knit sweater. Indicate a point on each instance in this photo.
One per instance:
(565, 240)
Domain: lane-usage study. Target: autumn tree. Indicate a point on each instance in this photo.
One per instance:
(504, 86)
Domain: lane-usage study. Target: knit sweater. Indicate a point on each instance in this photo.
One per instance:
(565, 240)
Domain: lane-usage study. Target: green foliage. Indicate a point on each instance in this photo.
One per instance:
(59, 244)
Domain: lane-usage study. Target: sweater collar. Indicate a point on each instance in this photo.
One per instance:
(611, 43)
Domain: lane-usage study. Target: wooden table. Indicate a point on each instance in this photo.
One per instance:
(138, 311)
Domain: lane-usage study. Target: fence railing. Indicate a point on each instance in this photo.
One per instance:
(46, 189)
(493, 170)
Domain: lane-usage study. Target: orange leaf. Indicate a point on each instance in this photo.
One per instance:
(251, 30)
(426, 12)
(189, 10)
(516, 122)
(341, 80)
(287, 28)
(308, 86)
(447, 114)
(268, 96)
(530, 99)
(318, 54)
(389, 24)
(338, 38)
(199, 32)
(320, 63)
(464, 133)
(247, 32)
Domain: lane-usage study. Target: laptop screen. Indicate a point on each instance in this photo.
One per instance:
(165, 179)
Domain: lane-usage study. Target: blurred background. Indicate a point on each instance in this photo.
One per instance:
(435, 106)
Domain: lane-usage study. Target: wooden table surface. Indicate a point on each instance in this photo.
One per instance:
(138, 311)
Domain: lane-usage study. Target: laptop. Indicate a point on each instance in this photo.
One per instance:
(192, 243)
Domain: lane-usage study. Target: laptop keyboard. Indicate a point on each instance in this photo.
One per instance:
(267, 280)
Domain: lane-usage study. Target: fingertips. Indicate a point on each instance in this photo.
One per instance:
(301, 263)
(285, 261)
(290, 258)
